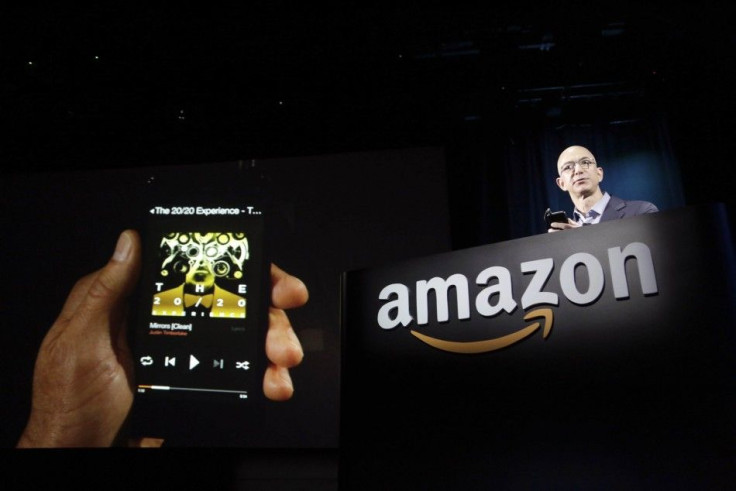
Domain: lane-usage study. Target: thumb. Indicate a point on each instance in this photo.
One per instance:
(110, 286)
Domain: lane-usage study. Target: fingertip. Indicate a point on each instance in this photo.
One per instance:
(296, 347)
(288, 291)
(145, 442)
(120, 274)
(299, 290)
(283, 347)
(277, 384)
(128, 253)
(123, 247)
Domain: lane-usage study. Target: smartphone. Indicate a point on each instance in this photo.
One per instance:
(554, 216)
(202, 313)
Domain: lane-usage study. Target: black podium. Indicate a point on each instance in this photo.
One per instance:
(601, 357)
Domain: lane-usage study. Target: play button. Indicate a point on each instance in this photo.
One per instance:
(193, 362)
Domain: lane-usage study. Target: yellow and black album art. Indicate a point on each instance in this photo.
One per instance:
(201, 275)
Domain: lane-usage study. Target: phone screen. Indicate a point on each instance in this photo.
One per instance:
(201, 318)
(199, 315)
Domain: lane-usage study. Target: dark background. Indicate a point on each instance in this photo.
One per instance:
(104, 87)
(499, 89)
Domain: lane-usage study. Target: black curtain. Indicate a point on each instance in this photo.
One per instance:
(502, 176)
(636, 156)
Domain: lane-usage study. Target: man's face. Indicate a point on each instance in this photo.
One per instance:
(201, 273)
(204, 257)
(574, 178)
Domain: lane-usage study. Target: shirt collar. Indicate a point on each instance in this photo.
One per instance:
(594, 215)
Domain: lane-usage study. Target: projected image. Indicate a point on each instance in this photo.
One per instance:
(200, 275)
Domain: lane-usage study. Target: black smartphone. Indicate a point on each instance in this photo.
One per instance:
(554, 216)
(202, 313)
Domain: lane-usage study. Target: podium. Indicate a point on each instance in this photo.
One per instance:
(602, 356)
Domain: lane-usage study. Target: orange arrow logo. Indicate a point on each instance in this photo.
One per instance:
(486, 345)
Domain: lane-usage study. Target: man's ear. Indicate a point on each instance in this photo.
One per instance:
(600, 174)
(560, 183)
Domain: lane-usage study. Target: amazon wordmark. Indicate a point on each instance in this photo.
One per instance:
(496, 293)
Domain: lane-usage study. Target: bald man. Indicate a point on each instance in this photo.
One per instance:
(580, 176)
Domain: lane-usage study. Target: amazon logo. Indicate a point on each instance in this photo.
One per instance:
(495, 295)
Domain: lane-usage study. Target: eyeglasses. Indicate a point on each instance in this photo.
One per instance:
(568, 167)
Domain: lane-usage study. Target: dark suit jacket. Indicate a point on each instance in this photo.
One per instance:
(619, 208)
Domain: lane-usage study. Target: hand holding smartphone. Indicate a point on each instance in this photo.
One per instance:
(201, 315)
(556, 216)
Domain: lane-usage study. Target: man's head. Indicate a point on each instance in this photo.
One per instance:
(579, 174)
(203, 257)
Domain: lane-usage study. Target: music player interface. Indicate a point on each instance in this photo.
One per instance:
(199, 310)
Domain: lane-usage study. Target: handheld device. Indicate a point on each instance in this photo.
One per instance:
(554, 216)
(201, 318)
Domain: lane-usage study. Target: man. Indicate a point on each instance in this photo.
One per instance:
(204, 259)
(580, 176)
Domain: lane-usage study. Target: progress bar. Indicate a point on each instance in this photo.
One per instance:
(192, 389)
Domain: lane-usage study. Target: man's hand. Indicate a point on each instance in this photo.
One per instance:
(557, 226)
(83, 378)
(82, 382)
(282, 346)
